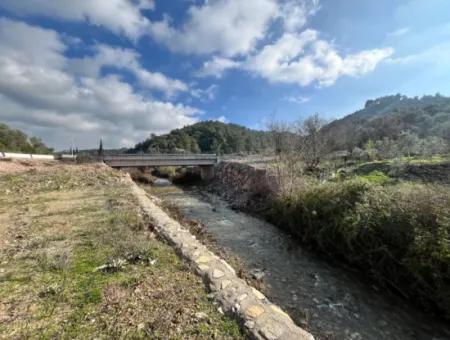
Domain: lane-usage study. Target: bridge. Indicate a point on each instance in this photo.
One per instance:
(206, 162)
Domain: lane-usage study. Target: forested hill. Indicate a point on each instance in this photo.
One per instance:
(389, 120)
(16, 141)
(388, 117)
(207, 137)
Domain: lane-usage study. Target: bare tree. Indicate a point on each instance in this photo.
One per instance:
(286, 166)
(312, 144)
(296, 147)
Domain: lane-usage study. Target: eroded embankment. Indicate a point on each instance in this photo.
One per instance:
(261, 318)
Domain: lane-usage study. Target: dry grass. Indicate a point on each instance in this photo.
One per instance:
(58, 225)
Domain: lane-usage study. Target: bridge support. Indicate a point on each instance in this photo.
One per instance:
(207, 172)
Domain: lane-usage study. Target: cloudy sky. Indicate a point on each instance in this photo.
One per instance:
(81, 70)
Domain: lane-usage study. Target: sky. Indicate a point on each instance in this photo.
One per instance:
(74, 72)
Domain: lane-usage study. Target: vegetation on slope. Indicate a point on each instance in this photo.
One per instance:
(398, 233)
(425, 118)
(16, 141)
(207, 137)
(77, 260)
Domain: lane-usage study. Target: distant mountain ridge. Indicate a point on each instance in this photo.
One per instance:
(388, 117)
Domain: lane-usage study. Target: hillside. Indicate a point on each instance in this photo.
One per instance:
(388, 117)
(426, 119)
(207, 137)
(17, 141)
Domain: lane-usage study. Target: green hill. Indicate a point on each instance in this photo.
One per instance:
(207, 137)
(389, 117)
(388, 121)
(16, 141)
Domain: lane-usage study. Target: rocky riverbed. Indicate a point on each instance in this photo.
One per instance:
(328, 300)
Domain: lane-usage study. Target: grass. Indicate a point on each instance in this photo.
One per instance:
(77, 260)
(398, 233)
(376, 177)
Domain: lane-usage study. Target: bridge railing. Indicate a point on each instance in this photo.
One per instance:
(160, 156)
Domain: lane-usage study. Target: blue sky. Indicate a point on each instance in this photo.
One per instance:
(77, 71)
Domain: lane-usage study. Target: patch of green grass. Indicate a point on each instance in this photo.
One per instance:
(376, 177)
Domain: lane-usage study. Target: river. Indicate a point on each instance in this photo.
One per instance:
(327, 299)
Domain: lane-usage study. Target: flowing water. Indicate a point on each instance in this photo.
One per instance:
(328, 300)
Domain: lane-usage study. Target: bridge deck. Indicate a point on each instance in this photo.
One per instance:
(143, 160)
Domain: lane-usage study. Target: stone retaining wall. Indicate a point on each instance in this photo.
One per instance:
(246, 186)
(261, 318)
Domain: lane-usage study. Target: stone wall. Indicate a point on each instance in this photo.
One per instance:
(260, 318)
(247, 187)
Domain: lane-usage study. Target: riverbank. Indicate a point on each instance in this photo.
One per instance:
(78, 260)
(260, 317)
(397, 233)
(326, 299)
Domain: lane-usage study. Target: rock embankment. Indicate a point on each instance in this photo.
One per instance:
(245, 185)
(261, 318)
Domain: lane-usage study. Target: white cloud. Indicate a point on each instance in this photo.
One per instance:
(304, 59)
(207, 94)
(296, 99)
(399, 32)
(120, 16)
(295, 13)
(295, 57)
(221, 119)
(216, 67)
(227, 27)
(39, 91)
(128, 60)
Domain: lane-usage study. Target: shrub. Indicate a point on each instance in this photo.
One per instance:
(377, 177)
(165, 172)
(141, 177)
(398, 233)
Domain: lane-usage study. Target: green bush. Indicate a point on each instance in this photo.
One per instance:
(377, 177)
(397, 233)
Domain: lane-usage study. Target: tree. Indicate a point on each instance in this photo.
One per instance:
(408, 143)
(15, 140)
(100, 149)
(194, 147)
(209, 136)
(312, 145)
(432, 146)
(370, 150)
(387, 148)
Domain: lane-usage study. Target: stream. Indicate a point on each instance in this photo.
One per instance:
(327, 299)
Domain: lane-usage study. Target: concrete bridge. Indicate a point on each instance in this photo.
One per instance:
(206, 162)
